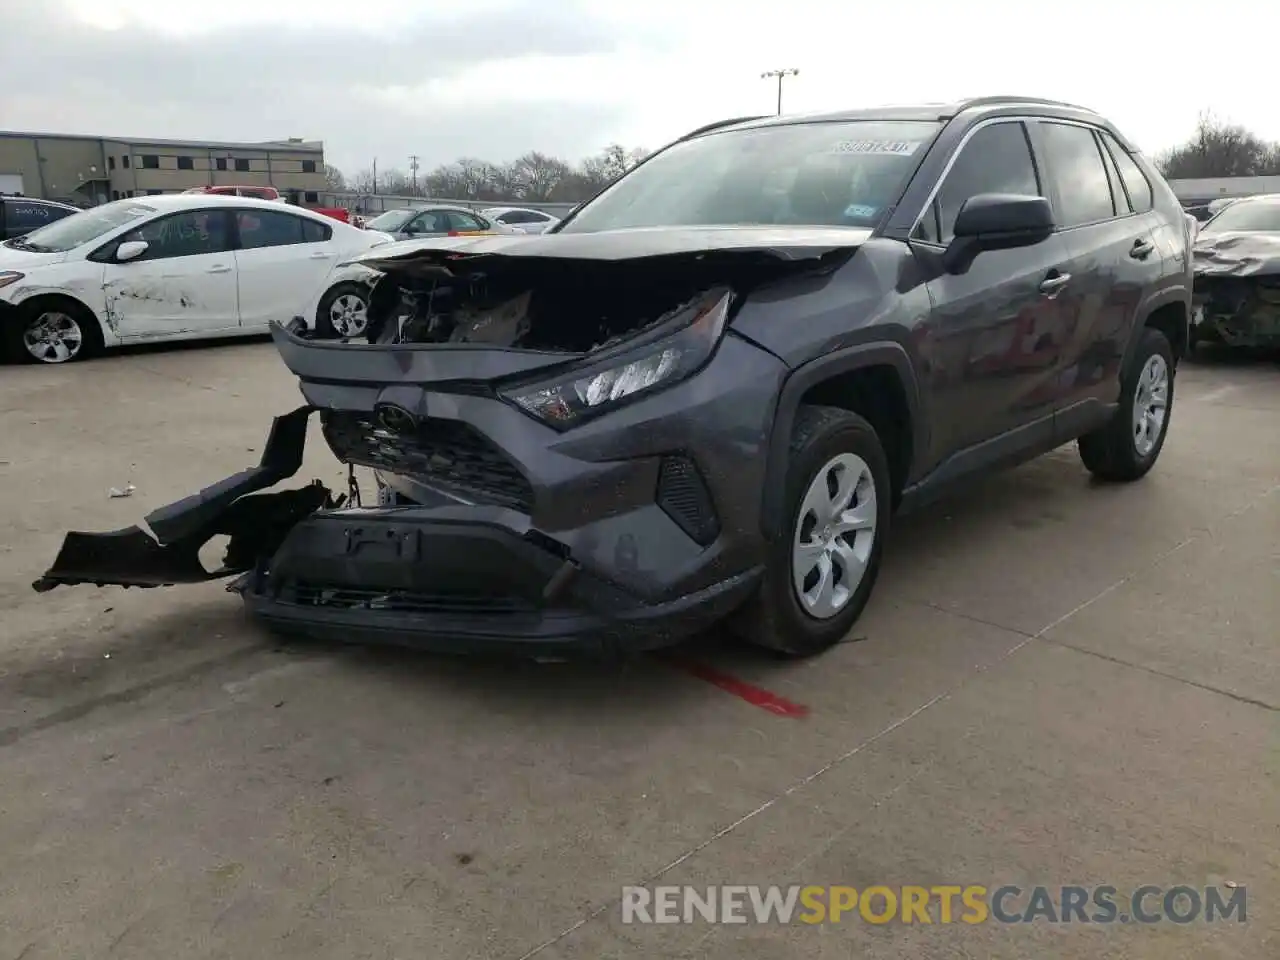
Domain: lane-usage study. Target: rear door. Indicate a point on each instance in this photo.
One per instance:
(993, 328)
(185, 283)
(1113, 259)
(282, 260)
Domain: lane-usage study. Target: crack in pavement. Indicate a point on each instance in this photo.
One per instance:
(801, 783)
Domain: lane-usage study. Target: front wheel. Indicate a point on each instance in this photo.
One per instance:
(820, 572)
(1127, 447)
(343, 311)
(52, 332)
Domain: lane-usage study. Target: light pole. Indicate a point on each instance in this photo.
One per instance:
(779, 74)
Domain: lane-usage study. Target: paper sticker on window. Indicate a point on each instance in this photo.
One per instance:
(860, 210)
(901, 148)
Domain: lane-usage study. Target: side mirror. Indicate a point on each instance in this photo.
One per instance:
(997, 221)
(131, 250)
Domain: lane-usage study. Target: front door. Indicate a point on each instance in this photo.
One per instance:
(995, 332)
(185, 282)
(282, 259)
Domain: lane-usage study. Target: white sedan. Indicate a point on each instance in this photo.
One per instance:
(178, 267)
(521, 219)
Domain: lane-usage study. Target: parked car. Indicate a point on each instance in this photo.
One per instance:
(178, 267)
(231, 190)
(702, 397)
(20, 215)
(521, 219)
(1237, 275)
(416, 223)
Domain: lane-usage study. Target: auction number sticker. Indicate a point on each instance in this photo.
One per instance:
(901, 148)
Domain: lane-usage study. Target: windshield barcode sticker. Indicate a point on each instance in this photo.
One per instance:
(903, 148)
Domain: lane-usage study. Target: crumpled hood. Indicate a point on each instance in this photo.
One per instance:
(1237, 254)
(783, 243)
(11, 259)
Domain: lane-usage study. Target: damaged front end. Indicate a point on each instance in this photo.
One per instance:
(1236, 297)
(499, 523)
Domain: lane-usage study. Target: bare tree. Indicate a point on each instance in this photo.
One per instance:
(333, 179)
(1220, 149)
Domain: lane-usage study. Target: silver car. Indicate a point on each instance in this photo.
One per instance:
(418, 223)
(521, 219)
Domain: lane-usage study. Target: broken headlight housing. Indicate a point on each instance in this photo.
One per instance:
(636, 372)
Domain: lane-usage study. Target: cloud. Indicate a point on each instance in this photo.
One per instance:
(480, 78)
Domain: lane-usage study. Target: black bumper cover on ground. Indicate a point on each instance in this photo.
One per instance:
(447, 578)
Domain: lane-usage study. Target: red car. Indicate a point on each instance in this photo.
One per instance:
(270, 193)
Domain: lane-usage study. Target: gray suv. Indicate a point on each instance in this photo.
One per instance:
(705, 394)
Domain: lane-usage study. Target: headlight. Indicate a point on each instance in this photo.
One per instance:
(641, 370)
(9, 276)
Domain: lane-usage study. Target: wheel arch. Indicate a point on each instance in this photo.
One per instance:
(1170, 313)
(46, 299)
(842, 378)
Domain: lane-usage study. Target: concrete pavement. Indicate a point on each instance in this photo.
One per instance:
(1056, 683)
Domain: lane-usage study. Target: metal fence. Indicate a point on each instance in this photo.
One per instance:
(372, 204)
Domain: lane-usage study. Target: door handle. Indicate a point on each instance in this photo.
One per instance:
(220, 268)
(1051, 286)
(1141, 249)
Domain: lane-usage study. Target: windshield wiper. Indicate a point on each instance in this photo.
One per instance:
(22, 243)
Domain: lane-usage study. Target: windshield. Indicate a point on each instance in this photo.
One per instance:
(843, 174)
(85, 226)
(1248, 215)
(392, 220)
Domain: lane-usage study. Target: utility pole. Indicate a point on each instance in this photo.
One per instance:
(375, 176)
(779, 74)
(413, 169)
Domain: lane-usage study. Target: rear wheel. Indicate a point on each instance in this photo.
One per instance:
(343, 311)
(1127, 447)
(820, 573)
(52, 331)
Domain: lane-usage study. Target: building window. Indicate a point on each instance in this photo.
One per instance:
(111, 163)
(150, 161)
(220, 163)
(242, 166)
(186, 163)
(311, 197)
(124, 161)
(308, 166)
(115, 194)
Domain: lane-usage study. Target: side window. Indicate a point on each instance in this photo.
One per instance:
(1120, 200)
(429, 222)
(182, 235)
(1084, 193)
(997, 159)
(465, 221)
(1136, 183)
(314, 232)
(266, 228)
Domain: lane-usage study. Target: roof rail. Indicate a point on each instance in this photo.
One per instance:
(707, 128)
(1005, 98)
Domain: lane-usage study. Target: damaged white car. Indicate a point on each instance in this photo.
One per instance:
(178, 267)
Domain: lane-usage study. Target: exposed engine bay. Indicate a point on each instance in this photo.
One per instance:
(547, 304)
(1237, 289)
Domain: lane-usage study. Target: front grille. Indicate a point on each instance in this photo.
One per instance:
(446, 454)
(683, 496)
(308, 593)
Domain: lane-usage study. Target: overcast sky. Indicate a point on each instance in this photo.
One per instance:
(494, 78)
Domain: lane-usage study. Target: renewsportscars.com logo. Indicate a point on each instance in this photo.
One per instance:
(971, 904)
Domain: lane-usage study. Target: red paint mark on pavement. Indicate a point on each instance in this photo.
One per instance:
(756, 696)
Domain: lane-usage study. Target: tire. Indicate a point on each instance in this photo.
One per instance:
(334, 316)
(1122, 451)
(68, 330)
(824, 441)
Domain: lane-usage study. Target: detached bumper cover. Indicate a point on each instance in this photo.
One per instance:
(460, 579)
(451, 578)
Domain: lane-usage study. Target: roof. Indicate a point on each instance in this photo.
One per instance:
(931, 112)
(168, 202)
(296, 145)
